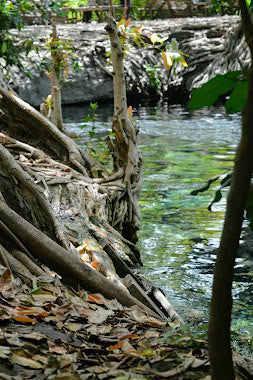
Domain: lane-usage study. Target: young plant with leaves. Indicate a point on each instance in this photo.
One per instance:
(61, 52)
(96, 146)
(154, 75)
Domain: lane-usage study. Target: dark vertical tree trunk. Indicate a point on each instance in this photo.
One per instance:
(221, 305)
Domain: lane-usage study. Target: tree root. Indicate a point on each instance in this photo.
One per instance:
(64, 262)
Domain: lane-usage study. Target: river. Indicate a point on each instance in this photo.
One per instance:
(178, 239)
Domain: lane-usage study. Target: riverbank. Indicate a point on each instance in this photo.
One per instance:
(204, 39)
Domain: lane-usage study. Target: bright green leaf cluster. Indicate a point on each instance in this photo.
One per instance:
(233, 82)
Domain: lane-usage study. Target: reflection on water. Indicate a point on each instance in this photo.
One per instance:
(179, 236)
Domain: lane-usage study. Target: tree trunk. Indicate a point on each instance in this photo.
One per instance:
(221, 304)
(55, 83)
(127, 158)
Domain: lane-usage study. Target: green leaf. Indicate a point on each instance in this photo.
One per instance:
(37, 290)
(93, 106)
(121, 22)
(87, 118)
(226, 181)
(154, 38)
(92, 134)
(4, 47)
(208, 94)
(238, 97)
(174, 44)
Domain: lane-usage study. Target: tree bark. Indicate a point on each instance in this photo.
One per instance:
(221, 304)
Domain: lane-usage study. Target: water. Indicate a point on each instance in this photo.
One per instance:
(182, 150)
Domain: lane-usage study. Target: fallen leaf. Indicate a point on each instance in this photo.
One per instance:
(96, 369)
(24, 319)
(177, 370)
(26, 362)
(129, 336)
(6, 277)
(56, 349)
(71, 326)
(94, 264)
(99, 316)
(97, 298)
(127, 347)
(113, 304)
(152, 334)
(129, 111)
(41, 358)
(4, 351)
(44, 298)
(13, 339)
(198, 363)
(33, 336)
(115, 346)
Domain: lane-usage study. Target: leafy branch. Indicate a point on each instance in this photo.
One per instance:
(225, 182)
(170, 53)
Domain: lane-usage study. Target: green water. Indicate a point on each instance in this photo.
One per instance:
(178, 236)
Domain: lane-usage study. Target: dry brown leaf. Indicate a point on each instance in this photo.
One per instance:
(41, 299)
(96, 369)
(199, 362)
(23, 319)
(99, 316)
(113, 304)
(97, 298)
(13, 339)
(178, 370)
(41, 358)
(151, 333)
(115, 346)
(33, 336)
(57, 349)
(71, 326)
(129, 336)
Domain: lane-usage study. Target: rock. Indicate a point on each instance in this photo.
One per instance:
(203, 39)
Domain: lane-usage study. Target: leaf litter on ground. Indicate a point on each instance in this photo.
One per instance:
(61, 333)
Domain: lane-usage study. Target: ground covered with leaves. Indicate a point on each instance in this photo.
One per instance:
(51, 332)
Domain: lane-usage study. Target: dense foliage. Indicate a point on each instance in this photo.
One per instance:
(9, 18)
